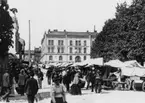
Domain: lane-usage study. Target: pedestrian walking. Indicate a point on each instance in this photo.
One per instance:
(40, 78)
(67, 80)
(98, 82)
(57, 91)
(6, 86)
(49, 75)
(21, 81)
(31, 88)
(75, 88)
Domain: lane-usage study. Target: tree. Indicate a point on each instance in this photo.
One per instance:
(123, 37)
(6, 33)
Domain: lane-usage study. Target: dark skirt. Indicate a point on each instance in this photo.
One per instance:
(20, 89)
(81, 84)
(58, 100)
(75, 89)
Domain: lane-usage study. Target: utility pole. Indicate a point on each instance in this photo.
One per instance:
(29, 43)
(94, 28)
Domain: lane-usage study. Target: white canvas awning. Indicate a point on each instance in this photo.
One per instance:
(115, 63)
(132, 63)
(93, 61)
(96, 61)
(133, 71)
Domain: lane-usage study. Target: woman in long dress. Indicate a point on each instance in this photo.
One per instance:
(75, 88)
(57, 92)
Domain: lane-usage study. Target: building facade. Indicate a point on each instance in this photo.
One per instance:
(37, 55)
(26, 55)
(34, 55)
(64, 46)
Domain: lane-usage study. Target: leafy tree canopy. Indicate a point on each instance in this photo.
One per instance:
(6, 27)
(123, 37)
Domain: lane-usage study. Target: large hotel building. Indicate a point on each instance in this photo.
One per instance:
(65, 46)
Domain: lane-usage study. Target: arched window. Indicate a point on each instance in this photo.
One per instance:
(80, 50)
(76, 43)
(77, 59)
(79, 43)
(70, 42)
(85, 43)
(70, 58)
(48, 49)
(60, 58)
(58, 50)
(85, 58)
(50, 57)
(70, 50)
(85, 50)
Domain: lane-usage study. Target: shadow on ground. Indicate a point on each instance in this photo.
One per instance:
(40, 96)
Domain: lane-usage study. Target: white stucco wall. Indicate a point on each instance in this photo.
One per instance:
(66, 54)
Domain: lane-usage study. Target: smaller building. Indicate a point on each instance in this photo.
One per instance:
(35, 55)
(26, 55)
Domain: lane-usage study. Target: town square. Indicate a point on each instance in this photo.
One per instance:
(72, 51)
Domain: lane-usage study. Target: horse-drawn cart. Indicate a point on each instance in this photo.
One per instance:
(131, 76)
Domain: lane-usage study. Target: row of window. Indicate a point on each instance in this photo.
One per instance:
(61, 42)
(77, 50)
(61, 50)
(50, 49)
(51, 57)
(61, 58)
(51, 42)
(78, 42)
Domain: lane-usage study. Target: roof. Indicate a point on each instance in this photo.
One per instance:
(69, 34)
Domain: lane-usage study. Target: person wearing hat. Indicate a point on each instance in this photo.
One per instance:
(40, 77)
(57, 91)
(31, 88)
(98, 82)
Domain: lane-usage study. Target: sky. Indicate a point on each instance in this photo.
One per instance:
(69, 15)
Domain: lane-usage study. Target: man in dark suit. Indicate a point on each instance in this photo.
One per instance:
(31, 88)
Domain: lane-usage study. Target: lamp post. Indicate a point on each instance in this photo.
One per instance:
(29, 43)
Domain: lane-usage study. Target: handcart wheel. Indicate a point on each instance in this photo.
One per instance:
(143, 86)
(133, 86)
(127, 84)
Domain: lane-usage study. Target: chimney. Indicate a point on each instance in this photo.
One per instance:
(95, 29)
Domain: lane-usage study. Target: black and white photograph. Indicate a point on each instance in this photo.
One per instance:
(72, 51)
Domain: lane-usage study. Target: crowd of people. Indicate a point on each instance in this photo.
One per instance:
(22, 83)
(74, 78)
(62, 79)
